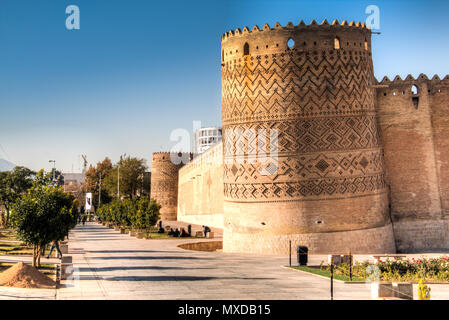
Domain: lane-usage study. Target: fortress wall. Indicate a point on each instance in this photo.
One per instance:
(406, 125)
(164, 184)
(440, 124)
(326, 174)
(200, 194)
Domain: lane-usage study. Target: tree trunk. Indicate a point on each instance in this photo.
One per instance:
(35, 250)
(39, 251)
(7, 216)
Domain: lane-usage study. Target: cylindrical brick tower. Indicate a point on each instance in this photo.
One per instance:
(302, 94)
(164, 184)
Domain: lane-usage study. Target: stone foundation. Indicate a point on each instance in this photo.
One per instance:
(421, 235)
(376, 240)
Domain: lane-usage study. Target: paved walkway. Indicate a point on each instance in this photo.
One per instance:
(110, 265)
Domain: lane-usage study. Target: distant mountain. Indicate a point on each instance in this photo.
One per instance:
(6, 165)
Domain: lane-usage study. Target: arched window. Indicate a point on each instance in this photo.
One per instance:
(337, 43)
(291, 43)
(246, 49)
(415, 89)
(366, 45)
(222, 55)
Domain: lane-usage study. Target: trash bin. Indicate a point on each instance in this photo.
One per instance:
(302, 255)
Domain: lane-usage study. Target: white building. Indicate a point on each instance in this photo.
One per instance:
(206, 138)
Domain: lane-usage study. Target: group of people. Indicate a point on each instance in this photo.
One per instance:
(182, 232)
(178, 233)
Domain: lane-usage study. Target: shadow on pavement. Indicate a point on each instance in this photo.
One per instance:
(150, 258)
(141, 268)
(125, 251)
(177, 278)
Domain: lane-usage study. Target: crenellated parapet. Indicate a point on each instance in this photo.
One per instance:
(411, 89)
(343, 37)
(335, 25)
(411, 85)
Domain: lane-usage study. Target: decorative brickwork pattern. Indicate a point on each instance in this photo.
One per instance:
(320, 101)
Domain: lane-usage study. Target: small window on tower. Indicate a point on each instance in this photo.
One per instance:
(291, 43)
(414, 89)
(366, 45)
(246, 49)
(337, 43)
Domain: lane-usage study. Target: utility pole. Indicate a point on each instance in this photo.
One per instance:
(99, 193)
(118, 182)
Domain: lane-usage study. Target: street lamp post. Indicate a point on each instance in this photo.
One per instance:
(54, 169)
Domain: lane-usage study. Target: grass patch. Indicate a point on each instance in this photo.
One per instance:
(326, 273)
(11, 248)
(7, 234)
(155, 235)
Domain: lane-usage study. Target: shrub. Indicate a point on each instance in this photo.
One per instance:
(139, 213)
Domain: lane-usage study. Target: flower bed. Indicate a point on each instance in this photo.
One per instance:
(433, 270)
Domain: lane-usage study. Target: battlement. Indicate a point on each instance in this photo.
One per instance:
(349, 38)
(291, 27)
(411, 86)
(166, 156)
(397, 80)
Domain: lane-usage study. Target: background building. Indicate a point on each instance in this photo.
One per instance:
(206, 138)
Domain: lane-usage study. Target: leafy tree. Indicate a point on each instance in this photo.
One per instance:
(13, 184)
(92, 181)
(132, 175)
(147, 213)
(44, 214)
(45, 179)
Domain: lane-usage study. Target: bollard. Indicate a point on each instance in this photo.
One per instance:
(332, 278)
(290, 253)
(350, 266)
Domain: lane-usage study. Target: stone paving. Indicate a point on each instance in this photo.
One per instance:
(110, 265)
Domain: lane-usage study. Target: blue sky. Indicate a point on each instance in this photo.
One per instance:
(138, 69)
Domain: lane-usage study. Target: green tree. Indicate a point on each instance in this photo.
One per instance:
(132, 175)
(44, 214)
(46, 178)
(96, 176)
(146, 213)
(13, 184)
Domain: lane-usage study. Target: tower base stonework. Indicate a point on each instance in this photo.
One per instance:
(325, 226)
(421, 235)
(369, 241)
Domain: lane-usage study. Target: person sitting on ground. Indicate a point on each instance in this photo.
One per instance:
(206, 229)
(184, 233)
(176, 233)
(161, 230)
(171, 232)
(55, 245)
